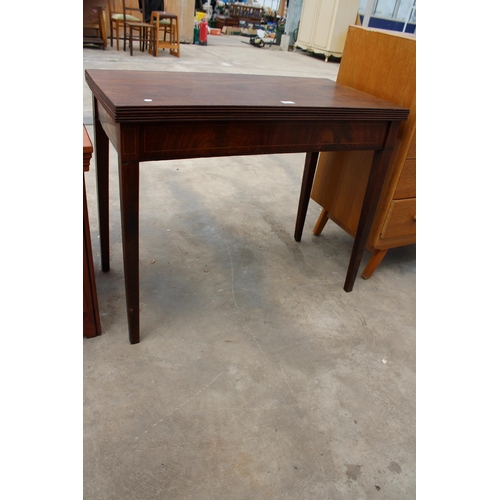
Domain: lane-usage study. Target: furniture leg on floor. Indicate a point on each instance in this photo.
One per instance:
(91, 320)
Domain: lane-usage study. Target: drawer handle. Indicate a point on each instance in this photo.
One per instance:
(415, 217)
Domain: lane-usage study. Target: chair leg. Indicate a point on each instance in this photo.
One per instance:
(118, 36)
(141, 39)
(174, 39)
(165, 35)
(152, 40)
(177, 39)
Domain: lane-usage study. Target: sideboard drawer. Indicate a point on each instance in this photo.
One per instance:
(401, 219)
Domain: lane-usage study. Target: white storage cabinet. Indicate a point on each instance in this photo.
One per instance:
(323, 25)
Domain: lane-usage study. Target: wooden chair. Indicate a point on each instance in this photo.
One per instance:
(168, 23)
(94, 20)
(140, 26)
(119, 11)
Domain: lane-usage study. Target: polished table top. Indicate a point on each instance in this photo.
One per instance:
(145, 96)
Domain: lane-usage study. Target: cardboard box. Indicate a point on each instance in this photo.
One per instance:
(249, 31)
(230, 30)
(214, 31)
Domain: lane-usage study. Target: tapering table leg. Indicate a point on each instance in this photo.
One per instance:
(129, 200)
(380, 164)
(101, 143)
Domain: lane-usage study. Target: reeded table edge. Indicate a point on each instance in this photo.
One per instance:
(178, 113)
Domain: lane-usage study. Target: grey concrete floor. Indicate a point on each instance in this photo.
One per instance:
(257, 376)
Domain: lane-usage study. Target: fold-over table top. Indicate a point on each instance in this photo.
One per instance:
(152, 96)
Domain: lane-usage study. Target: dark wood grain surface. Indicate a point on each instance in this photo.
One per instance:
(133, 96)
(164, 115)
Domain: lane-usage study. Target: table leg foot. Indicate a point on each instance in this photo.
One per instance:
(376, 179)
(129, 200)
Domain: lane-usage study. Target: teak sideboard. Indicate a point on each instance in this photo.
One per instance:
(383, 64)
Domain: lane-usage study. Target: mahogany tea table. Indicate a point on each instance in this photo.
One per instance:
(158, 115)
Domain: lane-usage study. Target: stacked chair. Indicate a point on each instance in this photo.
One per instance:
(145, 21)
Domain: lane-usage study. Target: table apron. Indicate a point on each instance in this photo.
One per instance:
(177, 140)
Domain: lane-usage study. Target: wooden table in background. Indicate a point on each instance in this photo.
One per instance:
(91, 321)
(163, 116)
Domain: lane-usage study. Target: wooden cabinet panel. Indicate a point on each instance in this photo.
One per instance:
(307, 22)
(324, 21)
(407, 187)
(401, 219)
(340, 184)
